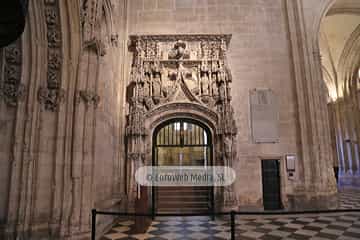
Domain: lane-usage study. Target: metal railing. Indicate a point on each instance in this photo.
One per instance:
(231, 214)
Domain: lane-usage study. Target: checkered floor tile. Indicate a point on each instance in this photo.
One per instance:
(340, 226)
(174, 228)
(349, 198)
(316, 227)
(345, 226)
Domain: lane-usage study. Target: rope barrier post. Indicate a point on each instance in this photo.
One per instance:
(232, 224)
(93, 224)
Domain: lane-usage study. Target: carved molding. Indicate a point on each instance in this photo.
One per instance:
(52, 95)
(182, 37)
(51, 98)
(188, 106)
(12, 91)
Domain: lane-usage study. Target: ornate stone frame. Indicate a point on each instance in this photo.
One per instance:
(200, 59)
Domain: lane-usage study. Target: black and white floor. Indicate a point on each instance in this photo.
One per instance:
(344, 226)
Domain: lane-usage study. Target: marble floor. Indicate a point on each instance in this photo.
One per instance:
(344, 226)
(349, 198)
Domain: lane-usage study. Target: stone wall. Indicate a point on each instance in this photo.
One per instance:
(259, 57)
(61, 120)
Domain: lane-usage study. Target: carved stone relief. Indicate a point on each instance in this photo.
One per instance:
(93, 12)
(12, 91)
(90, 13)
(51, 96)
(172, 69)
(89, 98)
(196, 68)
(97, 45)
(115, 40)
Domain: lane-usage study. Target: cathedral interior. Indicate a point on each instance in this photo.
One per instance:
(91, 91)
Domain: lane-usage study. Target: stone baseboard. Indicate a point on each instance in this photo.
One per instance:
(312, 201)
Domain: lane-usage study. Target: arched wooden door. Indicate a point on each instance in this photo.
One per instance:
(182, 142)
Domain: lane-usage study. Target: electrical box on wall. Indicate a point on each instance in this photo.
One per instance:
(291, 166)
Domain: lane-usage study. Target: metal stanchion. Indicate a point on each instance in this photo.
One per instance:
(93, 224)
(232, 222)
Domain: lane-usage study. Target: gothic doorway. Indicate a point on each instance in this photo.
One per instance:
(182, 142)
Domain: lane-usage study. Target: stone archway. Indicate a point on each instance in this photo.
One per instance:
(340, 66)
(182, 142)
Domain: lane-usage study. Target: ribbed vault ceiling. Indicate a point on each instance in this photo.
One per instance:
(337, 32)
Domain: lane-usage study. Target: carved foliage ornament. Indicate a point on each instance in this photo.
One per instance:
(89, 97)
(12, 90)
(52, 95)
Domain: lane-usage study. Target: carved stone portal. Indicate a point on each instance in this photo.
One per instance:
(189, 69)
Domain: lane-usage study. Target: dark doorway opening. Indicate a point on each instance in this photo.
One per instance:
(182, 142)
(271, 184)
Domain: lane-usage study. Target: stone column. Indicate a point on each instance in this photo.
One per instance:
(317, 188)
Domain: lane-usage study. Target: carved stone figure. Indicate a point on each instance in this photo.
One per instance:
(157, 86)
(156, 67)
(115, 40)
(227, 147)
(147, 88)
(222, 72)
(140, 92)
(147, 69)
(205, 84)
(214, 67)
(134, 75)
(179, 51)
(205, 49)
(204, 66)
(222, 92)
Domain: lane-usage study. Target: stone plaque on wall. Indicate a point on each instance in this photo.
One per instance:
(264, 116)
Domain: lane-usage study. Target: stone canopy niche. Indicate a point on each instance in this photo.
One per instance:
(177, 76)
